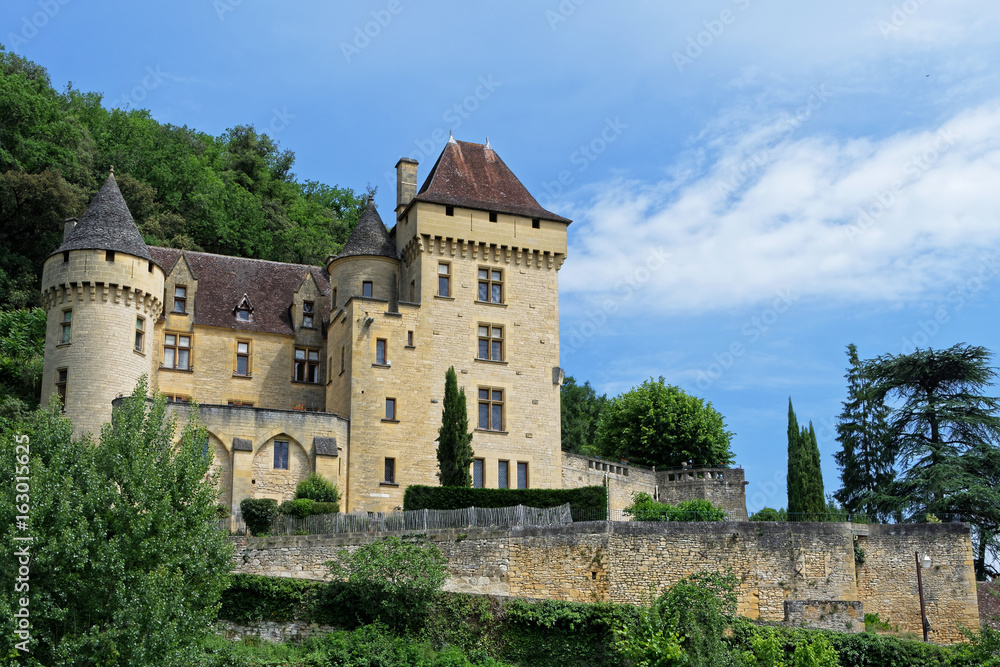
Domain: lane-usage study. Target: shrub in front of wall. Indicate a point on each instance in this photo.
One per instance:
(319, 489)
(586, 503)
(259, 513)
(300, 507)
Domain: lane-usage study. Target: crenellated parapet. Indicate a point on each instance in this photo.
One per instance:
(64, 294)
(482, 251)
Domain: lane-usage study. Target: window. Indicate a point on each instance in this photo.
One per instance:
(380, 351)
(149, 266)
(243, 358)
(61, 376)
(333, 298)
(449, 210)
(390, 409)
(109, 255)
(413, 291)
(536, 223)
(491, 342)
(491, 285)
(140, 334)
(444, 279)
(490, 409)
(306, 365)
(409, 339)
(342, 366)
(65, 256)
(390, 471)
(522, 475)
(493, 216)
(307, 314)
(177, 351)
(503, 470)
(67, 326)
(366, 288)
(477, 473)
(281, 455)
(180, 299)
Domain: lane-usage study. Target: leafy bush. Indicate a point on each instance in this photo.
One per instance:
(251, 598)
(259, 514)
(299, 507)
(222, 511)
(390, 581)
(319, 489)
(586, 503)
(644, 508)
(770, 514)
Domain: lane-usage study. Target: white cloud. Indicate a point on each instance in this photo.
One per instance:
(846, 220)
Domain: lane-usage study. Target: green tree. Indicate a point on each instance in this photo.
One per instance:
(580, 409)
(866, 457)
(806, 501)
(22, 346)
(390, 581)
(944, 429)
(318, 488)
(454, 450)
(656, 424)
(127, 565)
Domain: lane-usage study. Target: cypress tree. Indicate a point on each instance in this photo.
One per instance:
(806, 501)
(814, 500)
(454, 450)
(796, 490)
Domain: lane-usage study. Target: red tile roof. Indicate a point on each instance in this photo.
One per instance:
(223, 280)
(473, 176)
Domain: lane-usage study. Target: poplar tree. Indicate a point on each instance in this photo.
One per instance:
(454, 451)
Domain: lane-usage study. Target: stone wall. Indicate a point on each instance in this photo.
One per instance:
(826, 615)
(621, 561)
(723, 487)
(621, 480)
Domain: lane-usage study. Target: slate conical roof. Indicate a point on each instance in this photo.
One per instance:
(473, 176)
(107, 224)
(370, 237)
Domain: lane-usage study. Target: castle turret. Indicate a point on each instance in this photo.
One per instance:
(102, 294)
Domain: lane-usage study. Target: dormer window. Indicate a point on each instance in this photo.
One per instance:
(244, 310)
(307, 314)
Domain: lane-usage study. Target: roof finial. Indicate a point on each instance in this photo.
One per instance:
(451, 138)
(112, 170)
(488, 143)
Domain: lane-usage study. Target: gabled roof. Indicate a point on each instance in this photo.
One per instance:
(473, 176)
(370, 237)
(107, 224)
(224, 281)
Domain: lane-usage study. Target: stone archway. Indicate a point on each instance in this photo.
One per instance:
(278, 483)
(222, 466)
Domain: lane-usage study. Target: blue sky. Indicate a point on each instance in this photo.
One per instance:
(753, 185)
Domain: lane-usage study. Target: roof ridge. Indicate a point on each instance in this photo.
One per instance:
(248, 259)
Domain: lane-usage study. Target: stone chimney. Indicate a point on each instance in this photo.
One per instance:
(69, 224)
(406, 182)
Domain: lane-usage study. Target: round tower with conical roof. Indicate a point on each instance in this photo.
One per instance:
(102, 293)
(368, 264)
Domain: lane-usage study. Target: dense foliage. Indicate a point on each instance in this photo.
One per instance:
(806, 501)
(390, 581)
(233, 194)
(126, 563)
(586, 503)
(656, 424)
(644, 508)
(454, 450)
(22, 346)
(770, 514)
(259, 514)
(318, 488)
(580, 410)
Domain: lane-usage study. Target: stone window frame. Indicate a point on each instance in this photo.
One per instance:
(248, 356)
(367, 289)
(409, 339)
(308, 364)
(493, 405)
(444, 280)
(490, 339)
(381, 352)
(489, 282)
(527, 475)
(62, 380)
(177, 347)
(140, 333)
(503, 480)
(67, 327)
(480, 464)
(308, 314)
(389, 471)
(391, 410)
(281, 451)
(180, 298)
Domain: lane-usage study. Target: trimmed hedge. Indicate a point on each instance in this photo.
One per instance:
(303, 507)
(258, 514)
(586, 503)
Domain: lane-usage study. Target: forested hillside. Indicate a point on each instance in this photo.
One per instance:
(234, 194)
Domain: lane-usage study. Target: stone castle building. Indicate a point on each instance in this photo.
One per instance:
(337, 370)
